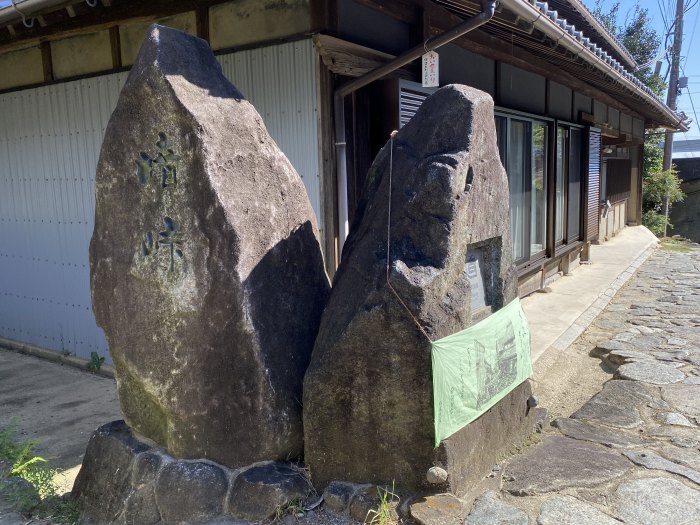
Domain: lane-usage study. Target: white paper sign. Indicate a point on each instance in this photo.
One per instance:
(431, 69)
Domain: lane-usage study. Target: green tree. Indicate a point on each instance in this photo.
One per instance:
(639, 38)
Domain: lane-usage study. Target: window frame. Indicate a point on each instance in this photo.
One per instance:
(528, 257)
(566, 240)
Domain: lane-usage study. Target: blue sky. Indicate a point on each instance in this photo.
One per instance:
(690, 60)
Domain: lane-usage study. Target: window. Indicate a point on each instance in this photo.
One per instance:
(523, 150)
(567, 185)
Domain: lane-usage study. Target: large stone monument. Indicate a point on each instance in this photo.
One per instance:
(368, 393)
(207, 274)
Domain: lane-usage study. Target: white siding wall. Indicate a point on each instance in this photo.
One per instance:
(50, 139)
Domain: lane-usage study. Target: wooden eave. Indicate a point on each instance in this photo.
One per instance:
(510, 39)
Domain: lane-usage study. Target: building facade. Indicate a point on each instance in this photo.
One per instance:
(685, 215)
(570, 122)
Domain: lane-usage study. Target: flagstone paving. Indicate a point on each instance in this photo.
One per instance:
(631, 454)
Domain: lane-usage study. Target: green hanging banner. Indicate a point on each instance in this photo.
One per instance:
(475, 368)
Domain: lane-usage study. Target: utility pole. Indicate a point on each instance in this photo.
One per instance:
(673, 92)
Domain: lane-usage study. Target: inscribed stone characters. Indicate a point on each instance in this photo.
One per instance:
(207, 275)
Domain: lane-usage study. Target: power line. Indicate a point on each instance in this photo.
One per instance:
(692, 33)
(697, 122)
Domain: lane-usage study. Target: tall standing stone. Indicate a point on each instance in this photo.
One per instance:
(206, 271)
(368, 403)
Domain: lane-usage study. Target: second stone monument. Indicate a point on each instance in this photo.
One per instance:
(429, 254)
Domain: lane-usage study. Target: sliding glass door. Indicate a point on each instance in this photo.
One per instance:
(567, 185)
(523, 149)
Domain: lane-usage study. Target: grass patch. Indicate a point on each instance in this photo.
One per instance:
(676, 248)
(382, 515)
(29, 485)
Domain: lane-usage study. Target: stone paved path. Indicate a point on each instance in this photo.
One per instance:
(631, 454)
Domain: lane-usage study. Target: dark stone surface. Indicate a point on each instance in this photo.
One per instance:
(146, 466)
(211, 333)
(560, 462)
(449, 195)
(596, 433)
(190, 491)
(104, 480)
(259, 491)
(471, 453)
(488, 509)
(650, 460)
(338, 494)
(127, 481)
(616, 405)
(439, 509)
(140, 507)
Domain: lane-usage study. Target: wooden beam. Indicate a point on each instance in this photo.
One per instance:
(324, 16)
(115, 43)
(353, 60)
(398, 9)
(327, 162)
(100, 18)
(491, 47)
(588, 118)
(494, 48)
(47, 61)
(202, 16)
(621, 141)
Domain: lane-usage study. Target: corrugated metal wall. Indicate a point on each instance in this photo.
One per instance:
(50, 139)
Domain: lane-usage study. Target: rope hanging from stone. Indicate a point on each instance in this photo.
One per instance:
(388, 242)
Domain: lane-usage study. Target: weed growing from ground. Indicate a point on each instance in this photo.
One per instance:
(294, 507)
(382, 514)
(95, 362)
(27, 466)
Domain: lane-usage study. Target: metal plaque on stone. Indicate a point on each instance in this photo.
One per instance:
(474, 269)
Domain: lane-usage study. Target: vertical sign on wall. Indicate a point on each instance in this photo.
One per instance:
(431, 69)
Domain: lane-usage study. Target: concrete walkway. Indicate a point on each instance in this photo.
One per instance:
(558, 318)
(58, 406)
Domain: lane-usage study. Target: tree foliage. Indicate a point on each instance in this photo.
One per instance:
(637, 35)
(657, 184)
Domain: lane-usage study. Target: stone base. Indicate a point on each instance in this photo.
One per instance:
(469, 454)
(125, 480)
